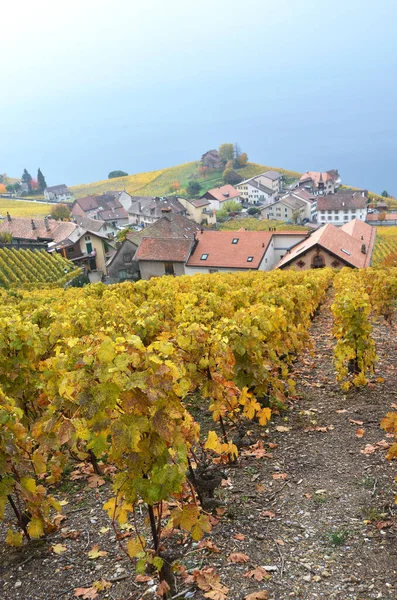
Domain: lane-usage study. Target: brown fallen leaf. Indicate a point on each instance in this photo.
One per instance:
(384, 524)
(369, 449)
(268, 513)
(279, 542)
(282, 428)
(259, 573)
(95, 481)
(260, 488)
(209, 545)
(272, 445)
(86, 593)
(262, 595)
(356, 422)
(209, 581)
(238, 557)
(239, 536)
(142, 578)
(360, 432)
(280, 475)
(163, 589)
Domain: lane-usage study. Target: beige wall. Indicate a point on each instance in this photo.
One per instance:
(285, 212)
(149, 268)
(97, 244)
(307, 258)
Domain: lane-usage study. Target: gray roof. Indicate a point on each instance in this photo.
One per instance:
(252, 181)
(59, 189)
(273, 175)
(91, 224)
(155, 207)
(293, 203)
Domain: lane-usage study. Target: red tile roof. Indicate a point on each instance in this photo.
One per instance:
(221, 252)
(223, 193)
(344, 242)
(160, 249)
(375, 217)
(316, 176)
(22, 228)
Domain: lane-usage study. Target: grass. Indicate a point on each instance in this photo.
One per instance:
(19, 208)
(337, 538)
(385, 244)
(252, 224)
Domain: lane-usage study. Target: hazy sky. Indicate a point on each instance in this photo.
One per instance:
(91, 86)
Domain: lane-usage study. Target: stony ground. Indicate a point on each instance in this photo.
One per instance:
(316, 519)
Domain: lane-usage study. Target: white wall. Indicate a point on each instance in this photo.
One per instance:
(339, 217)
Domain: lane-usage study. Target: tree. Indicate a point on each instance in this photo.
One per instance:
(237, 150)
(41, 180)
(3, 188)
(382, 216)
(295, 216)
(253, 210)
(226, 152)
(203, 171)
(114, 174)
(241, 160)
(175, 186)
(232, 206)
(230, 176)
(60, 212)
(385, 194)
(193, 188)
(26, 177)
(34, 185)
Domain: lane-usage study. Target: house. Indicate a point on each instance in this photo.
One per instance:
(217, 196)
(58, 193)
(309, 198)
(329, 246)
(162, 256)
(85, 248)
(320, 183)
(106, 207)
(199, 211)
(27, 232)
(74, 242)
(97, 225)
(211, 160)
(270, 179)
(287, 208)
(342, 207)
(125, 265)
(145, 210)
(229, 251)
(255, 190)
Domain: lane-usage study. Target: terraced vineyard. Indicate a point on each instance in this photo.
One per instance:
(37, 268)
(385, 246)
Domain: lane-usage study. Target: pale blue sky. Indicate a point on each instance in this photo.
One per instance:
(91, 86)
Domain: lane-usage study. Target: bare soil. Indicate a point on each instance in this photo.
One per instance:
(319, 514)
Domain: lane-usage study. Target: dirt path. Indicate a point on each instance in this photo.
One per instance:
(319, 513)
(333, 534)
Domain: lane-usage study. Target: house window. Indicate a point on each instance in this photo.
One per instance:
(336, 218)
(329, 218)
(213, 270)
(70, 250)
(204, 257)
(127, 258)
(346, 217)
(318, 262)
(235, 241)
(250, 259)
(169, 268)
(87, 237)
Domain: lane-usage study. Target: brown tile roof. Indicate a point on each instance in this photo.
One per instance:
(160, 249)
(223, 193)
(273, 175)
(259, 186)
(111, 215)
(91, 224)
(22, 228)
(343, 242)
(342, 200)
(375, 217)
(221, 252)
(303, 195)
(200, 202)
(170, 226)
(87, 203)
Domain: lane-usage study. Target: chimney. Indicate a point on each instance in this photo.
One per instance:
(46, 223)
(8, 216)
(139, 207)
(33, 224)
(363, 249)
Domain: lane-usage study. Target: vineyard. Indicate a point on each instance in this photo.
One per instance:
(385, 246)
(37, 268)
(153, 394)
(19, 208)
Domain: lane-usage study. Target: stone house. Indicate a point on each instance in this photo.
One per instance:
(58, 193)
(211, 160)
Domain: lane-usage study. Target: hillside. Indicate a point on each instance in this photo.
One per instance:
(20, 208)
(385, 245)
(157, 183)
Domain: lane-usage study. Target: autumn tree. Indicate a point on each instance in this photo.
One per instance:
(203, 171)
(193, 188)
(60, 212)
(382, 216)
(41, 180)
(230, 176)
(226, 152)
(232, 206)
(175, 186)
(241, 160)
(2, 188)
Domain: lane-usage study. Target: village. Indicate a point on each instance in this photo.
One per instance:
(115, 236)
